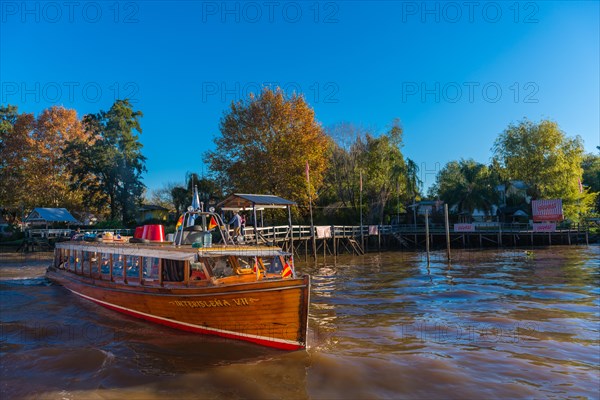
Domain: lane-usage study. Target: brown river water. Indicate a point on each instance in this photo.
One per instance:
(494, 324)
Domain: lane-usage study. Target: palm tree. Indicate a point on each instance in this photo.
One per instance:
(467, 185)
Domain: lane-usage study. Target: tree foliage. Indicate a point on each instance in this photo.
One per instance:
(591, 175)
(386, 175)
(265, 143)
(34, 172)
(110, 164)
(466, 185)
(384, 169)
(547, 160)
(209, 192)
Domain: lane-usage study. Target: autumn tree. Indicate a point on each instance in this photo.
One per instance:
(264, 145)
(109, 167)
(466, 185)
(549, 162)
(51, 175)
(34, 172)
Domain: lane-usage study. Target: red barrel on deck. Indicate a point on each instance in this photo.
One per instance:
(139, 231)
(154, 232)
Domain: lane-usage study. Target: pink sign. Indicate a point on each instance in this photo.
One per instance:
(544, 227)
(464, 228)
(547, 210)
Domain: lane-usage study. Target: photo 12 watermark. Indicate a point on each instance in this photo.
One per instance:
(67, 92)
(253, 12)
(453, 12)
(470, 92)
(226, 92)
(59, 332)
(467, 333)
(54, 12)
(429, 171)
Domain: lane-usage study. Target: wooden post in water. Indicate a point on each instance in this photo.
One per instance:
(500, 235)
(334, 241)
(312, 225)
(447, 224)
(291, 227)
(427, 234)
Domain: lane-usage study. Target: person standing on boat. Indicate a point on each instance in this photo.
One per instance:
(243, 224)
(236, 223)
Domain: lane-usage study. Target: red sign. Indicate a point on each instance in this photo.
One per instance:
(464, 228)
(544, 227)
(547, 210)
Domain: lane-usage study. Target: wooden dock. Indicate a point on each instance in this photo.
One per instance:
(339, 239)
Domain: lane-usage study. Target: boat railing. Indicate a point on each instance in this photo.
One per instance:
(282, 233)
(189, 219)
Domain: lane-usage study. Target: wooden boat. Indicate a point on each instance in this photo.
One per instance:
(246, 292)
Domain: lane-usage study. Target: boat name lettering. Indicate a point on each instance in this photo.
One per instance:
(241, 301)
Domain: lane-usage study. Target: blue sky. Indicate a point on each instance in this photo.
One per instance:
(456, 74)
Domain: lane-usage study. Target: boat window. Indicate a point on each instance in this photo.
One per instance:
(85, 264)
(78, 262)
(133, 266)
(71, 263)
(197, 271)
(94, 262)
(105, 266)
(273, 265)
(151, 268)
(59, 258)
(118, 265)
(246, 263)
(173, 270)
(222, 268)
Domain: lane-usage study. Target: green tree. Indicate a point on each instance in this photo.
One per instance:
(340, 192)
(110, 166)
(8, 118)
(388, 180)
(591, 175)
(547, 160)
(265, 143)
(384, 170)
(466, 185)
(209, 192)
(15, 151)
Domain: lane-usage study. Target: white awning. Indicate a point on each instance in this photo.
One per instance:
(129, 250)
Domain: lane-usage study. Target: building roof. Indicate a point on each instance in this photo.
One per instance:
(51, 215)
(519, 185)
(239, 201)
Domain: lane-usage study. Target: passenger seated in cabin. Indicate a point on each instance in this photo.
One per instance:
(222, 268)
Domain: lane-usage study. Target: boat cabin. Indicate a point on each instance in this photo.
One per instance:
(155, 265)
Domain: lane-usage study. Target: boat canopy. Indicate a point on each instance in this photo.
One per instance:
(130, 250)
(240, 201)
(243, 252)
